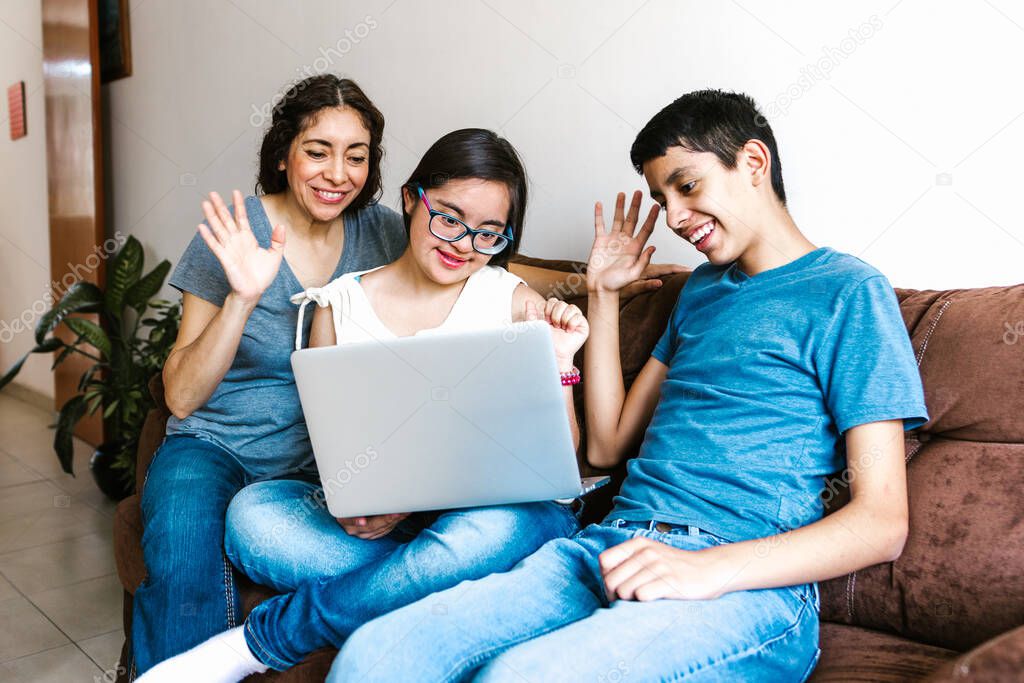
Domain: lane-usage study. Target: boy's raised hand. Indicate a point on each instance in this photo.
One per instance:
(618, 257)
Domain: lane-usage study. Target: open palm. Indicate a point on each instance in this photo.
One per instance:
(618, 257)
(249, 268)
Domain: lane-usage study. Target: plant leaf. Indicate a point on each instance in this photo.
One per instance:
(87, 377)
(70, 413)
(68, 350)
(48, 346)
(146, 288)
(110, 409)
(94, 403)
(90, 332)
(124, 272)
(81, 297)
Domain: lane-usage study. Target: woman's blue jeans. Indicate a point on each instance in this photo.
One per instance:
(189, 592)
(548, 619)
(281, 535)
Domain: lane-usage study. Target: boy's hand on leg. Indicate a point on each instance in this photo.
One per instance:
(643, 569)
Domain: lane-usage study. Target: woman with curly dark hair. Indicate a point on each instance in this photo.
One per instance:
(236, 416)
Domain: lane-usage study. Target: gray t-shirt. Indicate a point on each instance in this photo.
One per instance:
(254, 412)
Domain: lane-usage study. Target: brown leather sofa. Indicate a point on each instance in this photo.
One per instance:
(951, 607)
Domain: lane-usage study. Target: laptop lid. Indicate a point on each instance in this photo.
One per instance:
(438, 421)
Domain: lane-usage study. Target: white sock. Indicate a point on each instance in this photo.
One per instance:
(224, 658)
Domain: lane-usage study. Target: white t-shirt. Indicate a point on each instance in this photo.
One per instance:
(485, 302)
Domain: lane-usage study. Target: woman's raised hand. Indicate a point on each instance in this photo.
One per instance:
(249, 268)
(618, 257)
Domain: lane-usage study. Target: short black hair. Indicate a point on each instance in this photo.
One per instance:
(297, 110)
(712, 121)
(475, 153)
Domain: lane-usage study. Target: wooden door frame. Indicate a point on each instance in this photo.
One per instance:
(74, 168)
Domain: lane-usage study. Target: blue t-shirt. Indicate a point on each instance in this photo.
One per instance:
(765, 374)
(255, 412)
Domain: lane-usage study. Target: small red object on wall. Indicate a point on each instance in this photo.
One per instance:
(16, 110)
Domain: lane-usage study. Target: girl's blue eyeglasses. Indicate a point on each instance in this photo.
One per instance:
(446, 227)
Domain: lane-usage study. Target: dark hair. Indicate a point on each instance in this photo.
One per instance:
(297, 110)
(708, 121)
(475, 153)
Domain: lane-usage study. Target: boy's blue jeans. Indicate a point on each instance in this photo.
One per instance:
(548, 620)
(280, 534)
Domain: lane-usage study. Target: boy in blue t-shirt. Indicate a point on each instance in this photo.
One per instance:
(783, 363)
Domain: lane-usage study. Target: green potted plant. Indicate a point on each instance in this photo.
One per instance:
(127, 348)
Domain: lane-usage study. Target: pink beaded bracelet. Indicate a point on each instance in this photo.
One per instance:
(570, 378)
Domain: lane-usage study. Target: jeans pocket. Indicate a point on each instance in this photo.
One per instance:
(801, 591)
(713, 539)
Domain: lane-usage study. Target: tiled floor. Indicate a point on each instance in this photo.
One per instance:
(60, 600)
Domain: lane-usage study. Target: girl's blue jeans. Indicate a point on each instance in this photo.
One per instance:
(333, 582)
(281, 535)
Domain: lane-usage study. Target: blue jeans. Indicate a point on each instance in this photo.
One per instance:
(548, 620)
(189, 593)
(281, 534)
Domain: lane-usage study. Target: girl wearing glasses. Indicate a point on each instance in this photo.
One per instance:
(463, 209)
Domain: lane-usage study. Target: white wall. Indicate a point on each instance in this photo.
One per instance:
(906, 153)
(24, 218)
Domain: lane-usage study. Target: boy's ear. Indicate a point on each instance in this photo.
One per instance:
(409, 199)
(757, 161)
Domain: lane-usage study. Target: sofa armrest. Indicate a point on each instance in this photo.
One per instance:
(153, 430)
(996, 660)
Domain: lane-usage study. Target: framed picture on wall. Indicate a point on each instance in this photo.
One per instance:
(115, 40)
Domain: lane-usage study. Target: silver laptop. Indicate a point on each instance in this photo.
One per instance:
(439, 421)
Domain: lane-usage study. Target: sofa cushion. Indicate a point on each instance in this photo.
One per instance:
(849, 653)
(959, 580)
(970, 349)
(997, 660)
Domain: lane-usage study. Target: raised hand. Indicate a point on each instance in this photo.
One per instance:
(249, 268)
(569, 327)
(618, 257)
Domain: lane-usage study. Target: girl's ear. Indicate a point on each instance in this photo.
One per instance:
(409, 199)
